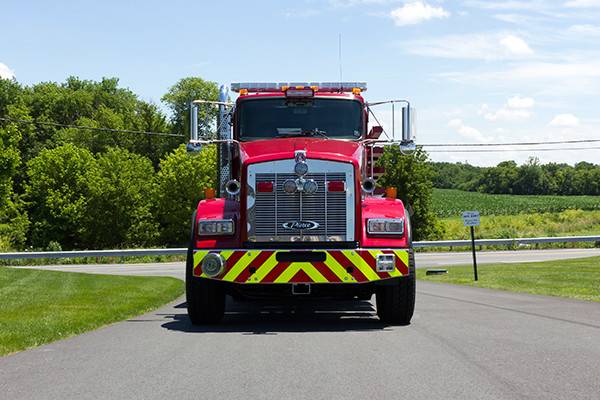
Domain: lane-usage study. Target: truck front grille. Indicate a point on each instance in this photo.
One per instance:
(273, 215)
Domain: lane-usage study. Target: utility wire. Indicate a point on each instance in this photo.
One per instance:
(88, 127)
(509, 144)
(511, 150)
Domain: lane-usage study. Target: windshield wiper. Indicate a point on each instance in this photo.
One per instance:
(314, 132)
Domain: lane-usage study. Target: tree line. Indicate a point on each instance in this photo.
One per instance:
(64, 187)
(530, 178)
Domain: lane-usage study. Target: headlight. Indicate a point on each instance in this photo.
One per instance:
(213, 265)
(216, 227)
(386, 226)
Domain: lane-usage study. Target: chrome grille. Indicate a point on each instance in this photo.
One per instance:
(273, 209)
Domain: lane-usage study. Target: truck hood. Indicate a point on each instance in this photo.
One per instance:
(279, 149)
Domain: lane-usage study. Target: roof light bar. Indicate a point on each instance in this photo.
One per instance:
(272, 87)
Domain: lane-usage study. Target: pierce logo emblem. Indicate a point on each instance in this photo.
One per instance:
(300, 225)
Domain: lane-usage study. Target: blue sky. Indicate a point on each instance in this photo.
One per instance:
(478, 72)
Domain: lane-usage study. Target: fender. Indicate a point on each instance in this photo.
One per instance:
(376, 207)
(218, 209)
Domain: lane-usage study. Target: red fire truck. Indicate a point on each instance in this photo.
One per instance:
(297, 212)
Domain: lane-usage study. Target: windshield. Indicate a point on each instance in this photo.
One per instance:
(270, 118)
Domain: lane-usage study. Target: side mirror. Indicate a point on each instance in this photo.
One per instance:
(193, 149)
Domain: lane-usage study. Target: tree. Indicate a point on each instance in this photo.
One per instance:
(412, 176)
(532, 179)
(119, 199)
(57, 195)
(9, 161)
(499, 179)
(180, 96)
(180, 184)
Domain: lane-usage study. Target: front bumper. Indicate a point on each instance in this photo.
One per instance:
(307, 266)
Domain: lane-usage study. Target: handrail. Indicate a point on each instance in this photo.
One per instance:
(182, 251)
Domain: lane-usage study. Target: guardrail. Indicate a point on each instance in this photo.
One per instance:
(182, 251)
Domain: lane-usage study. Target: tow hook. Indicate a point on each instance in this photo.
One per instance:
(300, 288)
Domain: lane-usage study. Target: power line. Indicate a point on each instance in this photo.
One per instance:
(89, 127)
(508, 144)
(512, 150)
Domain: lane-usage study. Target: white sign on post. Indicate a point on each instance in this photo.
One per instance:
(471, 218)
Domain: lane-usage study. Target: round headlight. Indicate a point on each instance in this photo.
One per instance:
(213, 265)
(301, 169)
(289, 186)
(310, 187)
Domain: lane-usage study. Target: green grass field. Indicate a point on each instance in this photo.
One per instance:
(452, 203)
(38, 307)
(575, 279)
(504, 216)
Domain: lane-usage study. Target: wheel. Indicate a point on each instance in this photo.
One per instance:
(396, 303)
(205, 298)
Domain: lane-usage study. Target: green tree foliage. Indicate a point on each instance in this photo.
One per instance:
(412, 176)
(180, 96)
(456, 176)
(57, 195)
(180, 184)
(531, 178)
(94, 104)
(9, 160)
(117, 212)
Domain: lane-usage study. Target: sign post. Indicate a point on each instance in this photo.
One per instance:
(471, 219)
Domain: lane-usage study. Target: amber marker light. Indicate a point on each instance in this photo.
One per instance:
(391, 193)
(209, 193)
(356, 91)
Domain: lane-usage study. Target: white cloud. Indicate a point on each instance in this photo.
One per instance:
(590, 30)
(520, 102)
(416, 12)
(468, 132)
(504, 114)
(515, 45)
(517, 109)
(557, 79)
(583, 3)
(5, 72)
(564, 120)
(482, 46)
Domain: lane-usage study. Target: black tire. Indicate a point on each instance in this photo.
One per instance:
(205, 299)
(396, 303)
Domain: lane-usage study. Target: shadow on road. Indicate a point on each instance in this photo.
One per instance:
(269, 317)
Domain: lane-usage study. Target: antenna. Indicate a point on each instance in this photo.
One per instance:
(340, 53)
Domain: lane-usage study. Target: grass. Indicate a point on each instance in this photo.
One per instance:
(452, 203)
(38, 307)
(574, 279)
(510, 216)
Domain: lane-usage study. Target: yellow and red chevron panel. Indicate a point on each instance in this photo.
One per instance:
(261, 266)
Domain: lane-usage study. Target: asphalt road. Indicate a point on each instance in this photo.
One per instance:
(463, 343)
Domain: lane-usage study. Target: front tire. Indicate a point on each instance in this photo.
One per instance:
(204, 297)
(396, 303)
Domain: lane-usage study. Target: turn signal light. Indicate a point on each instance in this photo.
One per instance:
(209, 193)
(391, 193)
